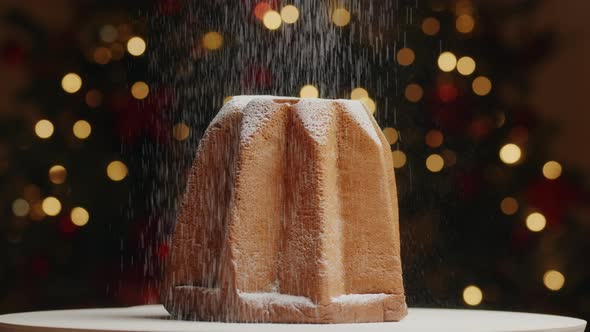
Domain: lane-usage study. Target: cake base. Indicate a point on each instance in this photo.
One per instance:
(153, 318)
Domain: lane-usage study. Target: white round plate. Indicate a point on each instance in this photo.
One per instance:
(153, 318)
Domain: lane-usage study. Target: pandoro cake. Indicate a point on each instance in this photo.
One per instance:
(290, 215)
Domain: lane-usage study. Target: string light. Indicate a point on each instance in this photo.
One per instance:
(430, 26)
(391, 135)
(466, 66)
(57, 174)
(212, 40)
(108, 33)
(413, 92)
(290, 14)
(261, 8)
(136, 46)
(434, 138)
(20, 207)
(536, 222)
(82, 129)
(435, 163)
(341, 17)
(117, 170)
(309, 91)
(359, 93)
(180, 131)
(447, 61)
(140, 90)
(370, 103)
(93, 98)
(102, 55)
(71, 83)
(509, 205)
(405, 56)
(79, 216)
(553, 280)
(51, 206)
(552, 170)
(44, 129)
(510, 153)
(272, 20)
(481, 86)
(472, 295)
(465, 23)
(399, 158)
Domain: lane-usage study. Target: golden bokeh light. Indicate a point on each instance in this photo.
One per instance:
(36, 213)
(370, 103)
(272, 20)
(536, 222)
(93, 98)
(20, 207)
(309, 91)
(481, 86)
(391, 135)
(71, 83)
(57, 174)
(51, 206)
(552, 170)
(82, 129)
(140, 90)
(108, 33)
(465, 23)
(261, 8)
(359, 93)
(510, 153)
(290, 14)
(509, 205)
(79, 216)
(430, 26)
(44, 128)
(117, 170)
(413, 92)
(341, 17)
(136, 46)
(450, 157)
(447, 61)
(181, 131)
(102, 55)
(553, 280)
(434, 138)
(399, 158)
(435, 163)
(405, 56)
(212, 40)
(472, 295)
(466, 65)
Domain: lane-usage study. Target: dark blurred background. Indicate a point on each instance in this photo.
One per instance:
(102, 104)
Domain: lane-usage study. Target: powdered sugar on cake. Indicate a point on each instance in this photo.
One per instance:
(359, 298)
(276, 298)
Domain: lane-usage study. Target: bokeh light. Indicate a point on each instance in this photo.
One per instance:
(102, 55)
(44, 128)
(510, 153)
(399, 158)
(552, 170)
(140, 90)
(391, 135)
(553, 280)
(472, 295)
(272, 20)
(405, 56)
(359, 93)
(466, 65)
(536, 222)
(136, 46)
(341, 17)
(57, 174)
(430, 26)
(481, 86)
(290, 14)
(509, 205)
(79, 216)
(117, 170)
(435, 163)
(108, 33)
(181, 131)
(261, 8)
(464, 23)
(309, 91)
(370, 103)
(51, 206)
(212, 40)
(413, 92)
(82, 129)
(434, 138)
(450, 157)
(447, 61)
(93, 98)
(71, 83)
(20, 207)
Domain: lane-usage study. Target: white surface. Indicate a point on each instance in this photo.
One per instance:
(152, 318)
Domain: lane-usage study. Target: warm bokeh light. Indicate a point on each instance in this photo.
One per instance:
(79, 216)
(481, 86)
(465, 23)
(466, 65)
(272, 20)
(140, 90)
(430, 26)
(553, 280)
(212, 40)
(181, 131)
(102, 55)
(117, 50)
(413, 92)
(309, 91)
(434, 138)
(20, 207)
(82, 129)
(261, 8)
(71, 83)
(405, 56)
(552, 170)
(472, 295)
(509, 205)
(447, 61)
(58, 174)
(536, 222)
(399, 158)
(450, 157)
(116, 170)
(435, 163)
(510, 153)
(108, 33)
(341, 17)
(391, 135)
(44, 128)
(290, 14)
(136, 46)
(359, 93)
(93, 98)
(51, 206)
(370, 103)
